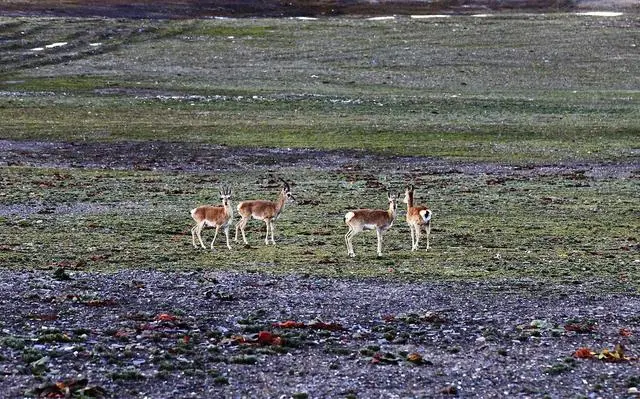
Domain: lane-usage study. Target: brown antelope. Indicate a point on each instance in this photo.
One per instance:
(417, 218)
(370, 219)
(268, 211)
(213, 216)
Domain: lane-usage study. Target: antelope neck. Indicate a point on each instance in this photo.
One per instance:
(410, 199)
(282, 199)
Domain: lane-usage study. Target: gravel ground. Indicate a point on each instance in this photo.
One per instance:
(202, 334)
(150, 334)
(145, 333)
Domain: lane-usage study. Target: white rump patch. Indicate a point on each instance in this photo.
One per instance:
(349, 216)
(426, 215)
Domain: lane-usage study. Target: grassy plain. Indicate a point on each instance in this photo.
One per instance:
(516, 90)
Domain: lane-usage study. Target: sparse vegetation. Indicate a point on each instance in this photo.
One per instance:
(519, 132)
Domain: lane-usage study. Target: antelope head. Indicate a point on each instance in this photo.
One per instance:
(286, 191)
(225, 195)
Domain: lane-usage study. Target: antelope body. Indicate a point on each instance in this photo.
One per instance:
(418, 217)
(267, 211)
(370, 219)
(213, 216)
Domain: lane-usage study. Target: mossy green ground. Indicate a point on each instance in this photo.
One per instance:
(507, 88)
(552, 228)
(526, 90)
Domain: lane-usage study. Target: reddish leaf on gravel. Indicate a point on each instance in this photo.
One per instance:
(137, 284)
(316, 325)
(415, 358)
(625, 332)
(44, 317)
(320, 325)
(101, 303)
(614, 356)
(584, 353)
(267, 338)
(234, 340)
(123, 333)
(449, 390)
(384, 358)
(581, 327)
(435, 317)
(69, 388)
(289, 324)
(166, 317)
(73, 297)
(389, 318)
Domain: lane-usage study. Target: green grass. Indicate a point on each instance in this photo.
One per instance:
(507, 89)
(547, 229)
(528, 90)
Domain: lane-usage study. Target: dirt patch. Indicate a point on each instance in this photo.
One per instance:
(202, 334)
(202, 158)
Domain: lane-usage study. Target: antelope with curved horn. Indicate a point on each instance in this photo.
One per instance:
(418, 217)
(370, 219)
(213, 216)
(268, 211)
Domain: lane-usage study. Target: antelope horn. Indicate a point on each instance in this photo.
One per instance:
(286, 185)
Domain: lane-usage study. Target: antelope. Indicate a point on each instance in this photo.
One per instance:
(370, 219)
(213, 216)
(267, 211)
(417, 218)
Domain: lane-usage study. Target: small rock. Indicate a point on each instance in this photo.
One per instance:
(449, 390)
